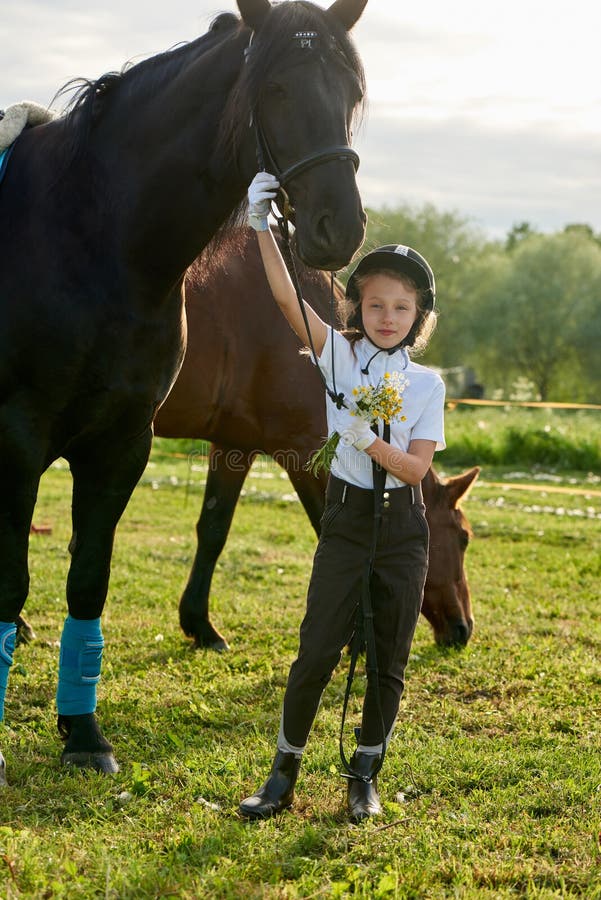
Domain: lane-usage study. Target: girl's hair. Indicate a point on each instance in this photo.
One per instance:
(421, 330)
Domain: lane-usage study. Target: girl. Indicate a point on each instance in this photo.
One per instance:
(390, 307)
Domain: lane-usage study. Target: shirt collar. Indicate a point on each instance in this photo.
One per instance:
(369, 352)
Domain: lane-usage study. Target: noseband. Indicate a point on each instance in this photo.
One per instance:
(268, 164)
(266, 160)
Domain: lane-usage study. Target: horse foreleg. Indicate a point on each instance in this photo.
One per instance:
(311, 492)
(20, 468)
(224, 482)
(102, 486)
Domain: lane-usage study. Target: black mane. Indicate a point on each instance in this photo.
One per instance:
(271, 47)
(89, 97)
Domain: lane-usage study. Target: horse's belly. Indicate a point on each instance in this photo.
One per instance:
(67, 379)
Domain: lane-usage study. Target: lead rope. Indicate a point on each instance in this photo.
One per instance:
(335, 397)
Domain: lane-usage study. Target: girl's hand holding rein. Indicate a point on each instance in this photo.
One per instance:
(262, 190)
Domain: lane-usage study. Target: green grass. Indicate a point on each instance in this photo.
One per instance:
(509, 436)
(496, 753)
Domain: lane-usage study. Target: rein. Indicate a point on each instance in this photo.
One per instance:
(364, 633)
(267, 163)
(364, 627)
(284, 228)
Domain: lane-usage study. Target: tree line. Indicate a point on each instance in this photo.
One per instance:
(525, 310)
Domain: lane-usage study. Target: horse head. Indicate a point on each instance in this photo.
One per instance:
(303, 84)
(447, 603)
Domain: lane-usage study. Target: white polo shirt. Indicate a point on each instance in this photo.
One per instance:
(423, 402)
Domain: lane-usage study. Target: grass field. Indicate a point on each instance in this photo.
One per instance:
(492, 786)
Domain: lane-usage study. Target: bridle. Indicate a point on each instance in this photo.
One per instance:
(267, 163)
(265, 158)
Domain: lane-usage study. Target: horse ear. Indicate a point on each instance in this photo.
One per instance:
(347, 11)
(253, 12)
(457, 487)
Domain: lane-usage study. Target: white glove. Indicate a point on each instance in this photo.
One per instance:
(263, 189)
(356, 431)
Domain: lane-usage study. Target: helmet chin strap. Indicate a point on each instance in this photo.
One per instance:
(390, 351)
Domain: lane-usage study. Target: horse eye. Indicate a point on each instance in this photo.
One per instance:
(464, 539)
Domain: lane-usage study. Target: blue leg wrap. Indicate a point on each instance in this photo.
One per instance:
(79, 668)
(8, 632)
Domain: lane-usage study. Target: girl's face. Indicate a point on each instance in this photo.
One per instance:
(388, 310)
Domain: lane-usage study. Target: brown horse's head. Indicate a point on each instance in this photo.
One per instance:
(447, 604)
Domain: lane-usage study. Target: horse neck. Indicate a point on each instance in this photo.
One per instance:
(159, 150)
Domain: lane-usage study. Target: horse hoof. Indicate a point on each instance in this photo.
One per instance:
(206, 637)
(100, 762)
(219, 644)
(3, 781)
(25, 633)
(85, 745)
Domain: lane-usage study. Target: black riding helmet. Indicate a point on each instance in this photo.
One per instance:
(404, 260)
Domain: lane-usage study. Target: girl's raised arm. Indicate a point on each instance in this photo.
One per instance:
(261, 192)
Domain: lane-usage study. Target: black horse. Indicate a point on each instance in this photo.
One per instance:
(101, 212)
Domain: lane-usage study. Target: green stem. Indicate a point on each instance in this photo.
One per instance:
(322, 458)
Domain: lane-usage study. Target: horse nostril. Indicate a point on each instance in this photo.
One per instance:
(461, 633)
(455, 634)
(323, 230)
(330, 240)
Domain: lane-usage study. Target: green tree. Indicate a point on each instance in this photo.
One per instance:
(582, 229)
(528, 307)
(541, 311)
(518, 233)
(479, 342)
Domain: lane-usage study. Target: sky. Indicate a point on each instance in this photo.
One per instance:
(490, 110)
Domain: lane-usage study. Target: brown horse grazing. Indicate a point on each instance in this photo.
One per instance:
(101, 213)
(447, 604)
(246, 388)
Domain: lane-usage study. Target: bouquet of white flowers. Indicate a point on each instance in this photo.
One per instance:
(374, 403)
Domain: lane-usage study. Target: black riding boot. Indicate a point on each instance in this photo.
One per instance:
(363, 800)
(277, 793)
